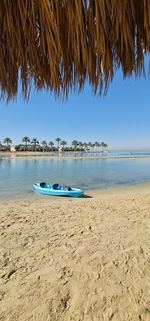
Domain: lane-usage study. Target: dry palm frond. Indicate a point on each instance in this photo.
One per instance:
(59, 44)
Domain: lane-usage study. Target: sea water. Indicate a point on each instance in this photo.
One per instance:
(18, 175)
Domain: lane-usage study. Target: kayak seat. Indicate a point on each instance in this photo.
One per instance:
(43, 184)
(67, 188)
(55, 186)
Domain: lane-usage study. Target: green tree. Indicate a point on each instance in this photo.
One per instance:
(90, 145)
(58, 140)
(35, 142)
(75, 143)
(80, 144)
(51, 144)
(96, 145)
(105, 146)
(26, 140)
(63, 143)
(44, 143)
(86, 145)
(102, 146)
(93, 145)
(7, 141)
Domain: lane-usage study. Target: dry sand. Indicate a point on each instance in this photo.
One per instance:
(76, 259)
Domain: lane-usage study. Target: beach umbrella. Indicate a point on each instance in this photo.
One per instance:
(59, 44)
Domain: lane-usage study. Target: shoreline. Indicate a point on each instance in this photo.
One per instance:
(92, 193)
(40, 155)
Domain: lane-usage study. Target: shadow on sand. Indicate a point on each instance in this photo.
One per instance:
(85, 196)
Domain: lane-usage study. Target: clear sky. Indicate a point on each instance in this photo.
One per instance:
(121, 119)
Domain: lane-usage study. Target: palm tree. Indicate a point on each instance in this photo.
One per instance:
(105, 146)
(7, 141)
(34, 142)
(51, 144)
(90, 145)
(75, 143)
(26, 140)
(80, 144)
(63, 143)
(102, 145)
(44, 143)
(96, 145)
(99, 145)
(86, 145)
(93, 145)
(58, 140)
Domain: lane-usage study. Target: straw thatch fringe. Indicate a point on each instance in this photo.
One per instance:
(61, 43)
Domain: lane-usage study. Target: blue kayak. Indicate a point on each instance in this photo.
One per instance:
(57, 190)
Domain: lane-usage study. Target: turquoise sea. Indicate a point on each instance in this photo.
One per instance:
(18, 175)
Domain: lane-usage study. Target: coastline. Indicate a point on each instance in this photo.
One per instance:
(55, 156)
(92, 193)
(70, 259)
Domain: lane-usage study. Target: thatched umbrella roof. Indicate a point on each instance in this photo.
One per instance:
(61, 43)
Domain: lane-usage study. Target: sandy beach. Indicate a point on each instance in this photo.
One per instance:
(76, 259)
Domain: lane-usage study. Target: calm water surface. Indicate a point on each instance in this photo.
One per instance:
(18, 175)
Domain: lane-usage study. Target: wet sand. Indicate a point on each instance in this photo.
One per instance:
(76, 259)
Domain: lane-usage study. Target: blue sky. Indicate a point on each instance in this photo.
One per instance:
(121, 118)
